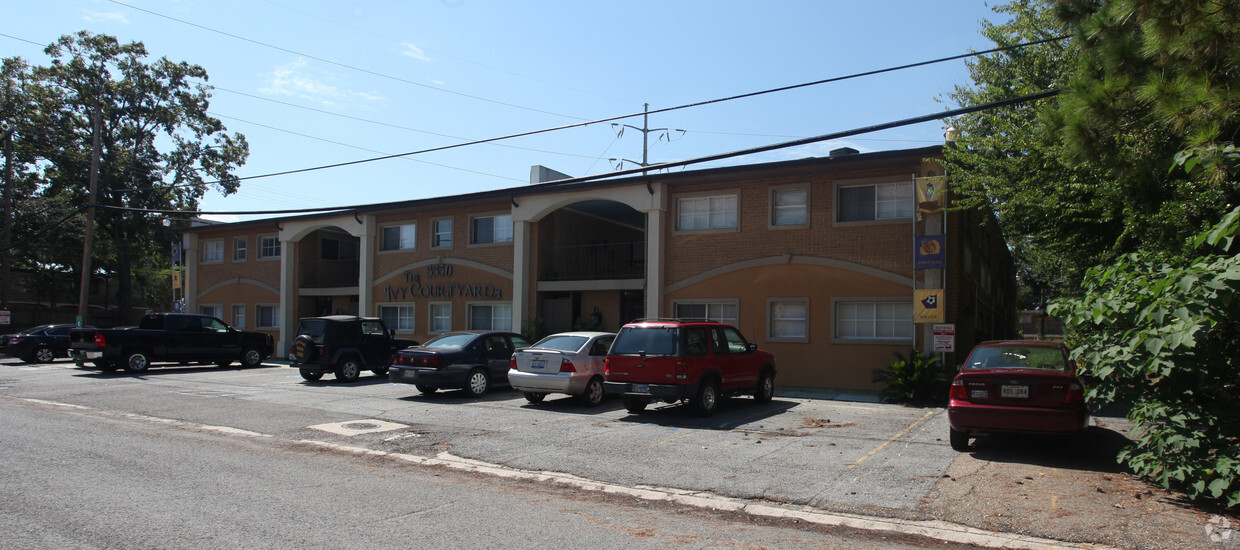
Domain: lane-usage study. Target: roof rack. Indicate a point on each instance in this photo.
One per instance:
(675, 320)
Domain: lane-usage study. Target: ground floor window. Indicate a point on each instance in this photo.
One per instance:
(490, 316)
(789, 319)
(441, 316)
(268, 316)
(238, 316)
(213, 310)
(397, 317)
(723, 311)
(874, 320)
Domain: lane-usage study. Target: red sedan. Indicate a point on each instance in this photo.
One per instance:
(1016, 387)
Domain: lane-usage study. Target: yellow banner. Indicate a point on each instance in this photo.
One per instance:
(176, 279)
(928, 306)
(931, 194)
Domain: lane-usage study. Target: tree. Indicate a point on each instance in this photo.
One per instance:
(160, 148)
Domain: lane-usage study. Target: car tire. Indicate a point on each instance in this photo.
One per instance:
(310, 375)
(427, 390)
(44, 355)
(707, 399)
(348, 370)
(251, 357)
(634, 404)
(380, 371)
(137, 362)
(766, 387)
(958, 439)
(594, 393)
(477, 383)
(106, 366)
(302, 349)
(534, 397)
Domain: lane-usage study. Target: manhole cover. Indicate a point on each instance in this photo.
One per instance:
(359, 426)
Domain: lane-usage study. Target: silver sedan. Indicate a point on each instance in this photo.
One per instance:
(568, 362)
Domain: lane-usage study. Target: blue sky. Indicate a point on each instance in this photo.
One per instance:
(312, 83)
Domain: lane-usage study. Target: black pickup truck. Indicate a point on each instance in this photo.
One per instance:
(169, 338)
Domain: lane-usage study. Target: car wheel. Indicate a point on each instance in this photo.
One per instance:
(594, 393)
(348, 370)
(478, 383)
(959, 439)
(423, 388)
(534, 397)
(707, 398)
(137, 362)
(44, 355)
(766, 388)
(312, 376)
(634, 404)
(251, 357)
(380, 371)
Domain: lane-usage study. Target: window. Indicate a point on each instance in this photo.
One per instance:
(268, 316)
(240, 245)
(699, 213)
(729, 340)
(885, 201)
(490, 317)
(212, 251)
(443, 234)
(789, 319)
(724, 312)
(397, 317)
(398, 237)
(213, 310)
(269, 247)
(874, 320)
(441, 316)
(789, 207)
(492, 229)
(238, 316)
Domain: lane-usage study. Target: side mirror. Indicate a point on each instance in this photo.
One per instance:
(752, 347)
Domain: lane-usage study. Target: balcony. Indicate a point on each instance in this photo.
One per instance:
(329, 273)
(593, 262)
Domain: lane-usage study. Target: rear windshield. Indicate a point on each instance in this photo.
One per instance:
(562, 343)
(449, 341)
(645, 340)
(313, 327)
(1017, 357)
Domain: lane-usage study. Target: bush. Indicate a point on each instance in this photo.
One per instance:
(918, 380)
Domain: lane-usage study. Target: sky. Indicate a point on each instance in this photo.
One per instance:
(314, 83)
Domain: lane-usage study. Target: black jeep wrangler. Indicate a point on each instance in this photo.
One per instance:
(345, 345)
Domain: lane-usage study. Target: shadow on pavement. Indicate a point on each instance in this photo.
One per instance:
(732, 413)
(1095, 449)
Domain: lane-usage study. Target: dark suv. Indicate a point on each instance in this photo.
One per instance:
(698, 361)
(345, 345)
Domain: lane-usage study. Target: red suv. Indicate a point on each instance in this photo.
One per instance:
(696, 361)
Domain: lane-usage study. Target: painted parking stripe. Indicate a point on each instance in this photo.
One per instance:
(893, 438)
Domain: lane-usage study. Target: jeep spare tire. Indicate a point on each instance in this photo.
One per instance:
(302, 349)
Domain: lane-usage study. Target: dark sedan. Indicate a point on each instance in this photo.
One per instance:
(41, 344)
(1016, 387)
(472, 360)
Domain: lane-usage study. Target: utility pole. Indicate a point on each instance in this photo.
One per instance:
(645, 130)
(5, 274)
(89, 240)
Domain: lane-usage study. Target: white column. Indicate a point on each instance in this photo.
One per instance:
(288, 295)
(189, 255)
(654, 262)
(520, 273)
(366, 268)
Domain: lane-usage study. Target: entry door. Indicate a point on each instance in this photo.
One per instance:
(557, 314)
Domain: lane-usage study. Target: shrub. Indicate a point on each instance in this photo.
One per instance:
(919, 380)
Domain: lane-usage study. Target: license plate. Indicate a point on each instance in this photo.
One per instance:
(538, 363)
(641, 388)
(410, 374)
(1016, 392)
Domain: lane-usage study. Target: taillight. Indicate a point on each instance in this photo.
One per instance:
(1075, 396)
(15, 339)
(567, 366)
(100, 341)
(606, 366)
(682, 370)
(512, 363)
(958, 391)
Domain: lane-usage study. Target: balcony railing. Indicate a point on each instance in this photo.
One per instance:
(329, 273)
(593, 262)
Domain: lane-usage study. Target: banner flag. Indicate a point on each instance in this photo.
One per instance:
(931, 194)
(928, 306)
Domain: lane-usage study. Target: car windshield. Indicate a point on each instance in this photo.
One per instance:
(1017, 357)
(314, 328)
(449, 341)
(562, 343)
(645, 340)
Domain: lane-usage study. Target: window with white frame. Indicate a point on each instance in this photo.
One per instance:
(881, 201)
(397, 317)
(212, 251)
(442, 237)
(789, 319)
(268, 316)
(398, 237)
(700, 213)
(238, 316)
(440, 316)
(789, 206)
(874, 320)
(240, 245)
(269, 247)
(722, 311)
(491, 229)
(490, 316)
(214, 310)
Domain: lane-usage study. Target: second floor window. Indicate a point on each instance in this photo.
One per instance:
(212, 251)
(788, 207)
(886, 201)
(239, 249)
(443, 234)
(399, 237)
(698, 213)
(269, 247)
(492, 229)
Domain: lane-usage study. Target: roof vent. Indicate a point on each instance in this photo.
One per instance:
(844, 151)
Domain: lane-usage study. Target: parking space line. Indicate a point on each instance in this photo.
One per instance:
(893, 438)
(670, 440)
